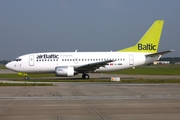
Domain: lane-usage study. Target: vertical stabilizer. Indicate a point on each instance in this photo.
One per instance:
(150, 41)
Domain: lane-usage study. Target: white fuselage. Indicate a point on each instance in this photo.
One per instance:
(47, 62)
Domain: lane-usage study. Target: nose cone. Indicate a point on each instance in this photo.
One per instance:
(14, 66)
(9, 65)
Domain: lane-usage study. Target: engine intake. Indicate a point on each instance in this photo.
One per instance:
(64, 71)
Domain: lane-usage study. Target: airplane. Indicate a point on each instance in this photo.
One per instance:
(67, 64)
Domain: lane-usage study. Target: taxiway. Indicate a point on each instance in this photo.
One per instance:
(90, 101)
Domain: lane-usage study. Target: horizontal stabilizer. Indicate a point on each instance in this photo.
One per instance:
(159, 53)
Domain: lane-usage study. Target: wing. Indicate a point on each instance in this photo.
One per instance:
(91, 66)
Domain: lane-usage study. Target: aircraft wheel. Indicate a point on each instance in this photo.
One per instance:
(26, 77)
(85, 76)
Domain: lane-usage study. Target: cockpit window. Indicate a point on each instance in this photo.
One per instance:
(17, 59)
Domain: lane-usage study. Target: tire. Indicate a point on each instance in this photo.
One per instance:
(26, 77)
(85, 76)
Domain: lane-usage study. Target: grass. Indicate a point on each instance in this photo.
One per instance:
(2, 66)
(63, 80)
(150, 70)
(25, 84)
(151, 81)
(48, 82)
(142, 70)
(30, 75)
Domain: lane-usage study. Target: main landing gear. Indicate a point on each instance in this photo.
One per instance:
(85, 76)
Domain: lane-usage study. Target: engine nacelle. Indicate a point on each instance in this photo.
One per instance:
(64, 71)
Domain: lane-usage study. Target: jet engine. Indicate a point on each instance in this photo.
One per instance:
(64, 71)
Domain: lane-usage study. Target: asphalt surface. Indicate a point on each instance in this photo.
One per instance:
(90, 101)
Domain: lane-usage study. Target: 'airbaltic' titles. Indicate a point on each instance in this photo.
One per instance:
(46, 56)
(146, 47)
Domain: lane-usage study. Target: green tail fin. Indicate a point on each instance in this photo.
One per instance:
(150, 41)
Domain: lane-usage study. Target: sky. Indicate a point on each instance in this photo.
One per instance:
(28, 26)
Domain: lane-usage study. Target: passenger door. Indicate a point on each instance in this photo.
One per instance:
(31, 60)
(131, 59)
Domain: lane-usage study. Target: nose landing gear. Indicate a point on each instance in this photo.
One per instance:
(26, 77)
